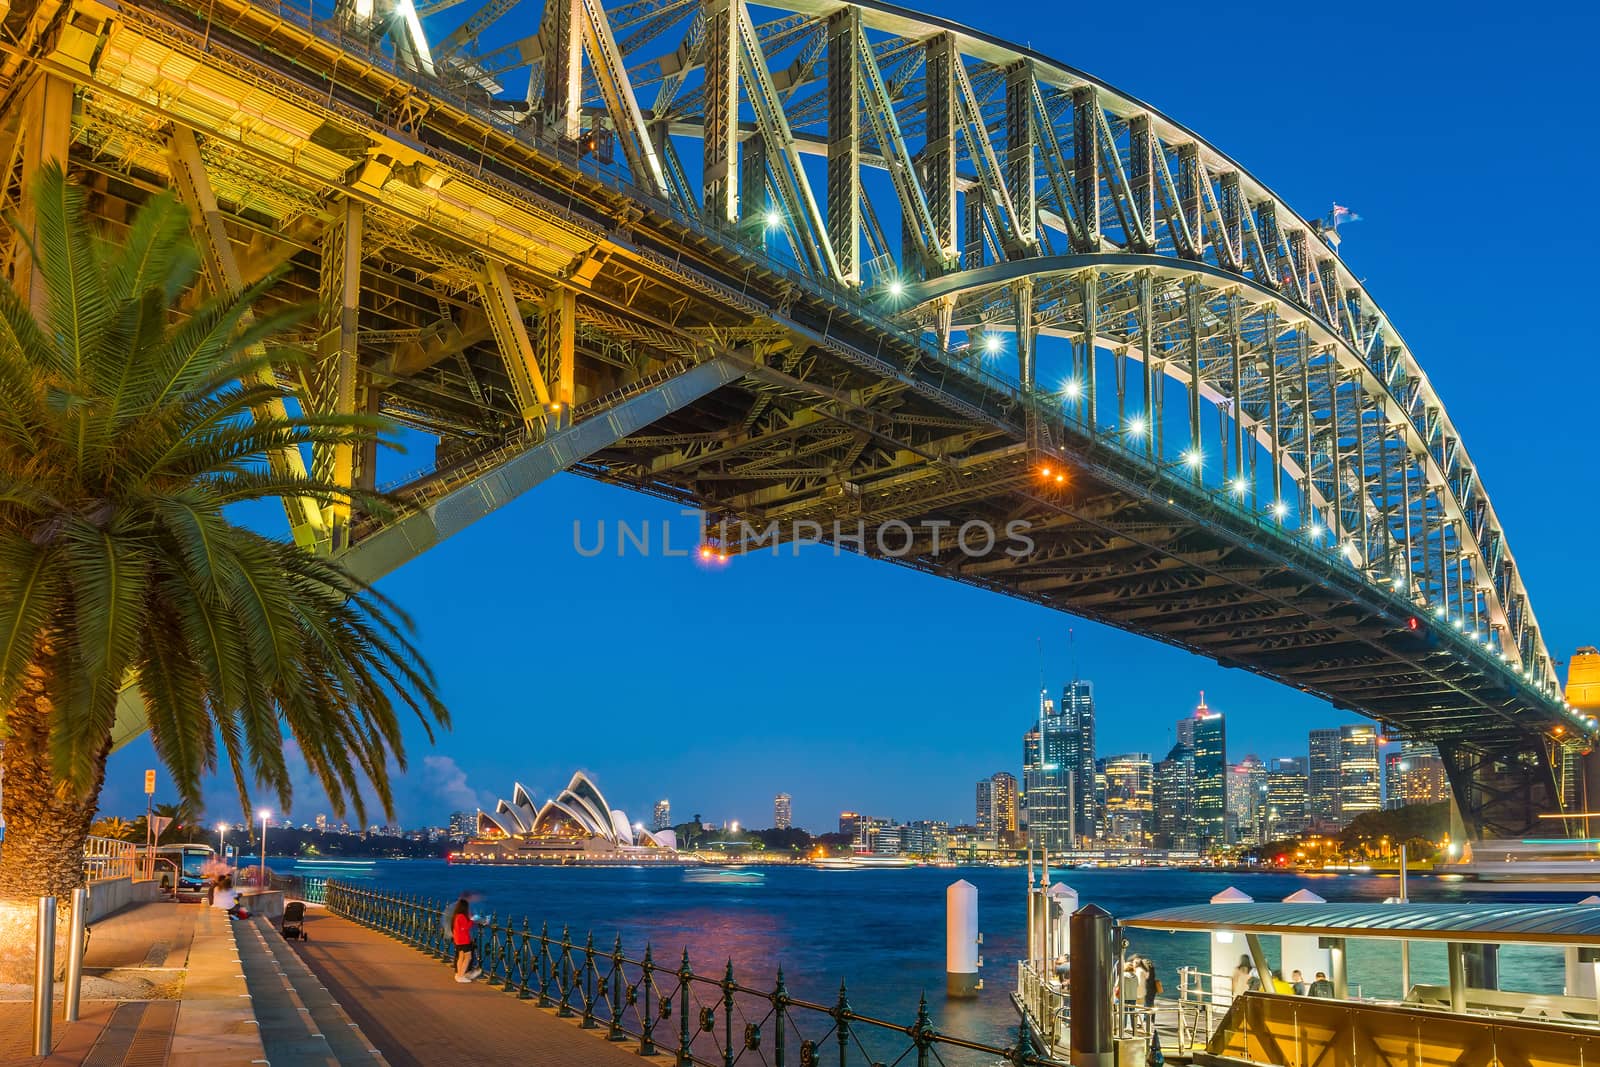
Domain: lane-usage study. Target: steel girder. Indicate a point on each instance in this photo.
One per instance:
(1183, 265)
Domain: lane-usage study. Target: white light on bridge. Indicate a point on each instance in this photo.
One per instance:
(1280, 509)
(1460, 625)
(774, 220)
(1072, 388)
(991, 343)
(1192, 457)
(897, 287)
(1240, 485)
(1316, 529)
(1136, 426)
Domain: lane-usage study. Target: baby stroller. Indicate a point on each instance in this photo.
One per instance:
(294, 921)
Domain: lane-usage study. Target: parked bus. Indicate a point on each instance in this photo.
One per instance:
(179, 869)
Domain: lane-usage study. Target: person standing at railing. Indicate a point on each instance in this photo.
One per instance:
(461, 934)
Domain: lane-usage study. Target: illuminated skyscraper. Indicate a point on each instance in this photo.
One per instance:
(1286, 799)
(1048, 779)
(663, 820)
(1173, 797)
(1247, 801)
(1415, 775)
(1322, 780)
(1360, 786)
(997, 807)
(1130, 805)
(782, 816)
(1210, 778)
(1078, 756)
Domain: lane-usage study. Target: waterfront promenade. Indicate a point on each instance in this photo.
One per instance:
(412, 1010)
(162, 985)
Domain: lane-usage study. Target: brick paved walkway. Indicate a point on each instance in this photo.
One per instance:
(410, 1007)
(179, 999)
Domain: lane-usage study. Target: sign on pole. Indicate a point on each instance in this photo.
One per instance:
(149, 783)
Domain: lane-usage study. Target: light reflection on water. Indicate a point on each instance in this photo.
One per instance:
(882, 931)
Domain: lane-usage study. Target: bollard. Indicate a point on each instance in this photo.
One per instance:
(44, 968)
(961, 940)
(71, 994)
(1094, 943)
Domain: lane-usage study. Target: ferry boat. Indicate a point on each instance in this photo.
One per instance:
(1470, 1018)
(1541, 866)
(861, 861)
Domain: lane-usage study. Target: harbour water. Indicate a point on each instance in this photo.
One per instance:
(882, 931)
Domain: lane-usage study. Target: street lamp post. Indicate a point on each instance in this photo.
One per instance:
(222, 841)
(265, 814)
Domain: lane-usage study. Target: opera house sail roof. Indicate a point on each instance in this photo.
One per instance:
(577, 819)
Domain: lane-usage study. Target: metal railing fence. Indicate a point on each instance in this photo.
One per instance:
(106, 858)
(710, 1020)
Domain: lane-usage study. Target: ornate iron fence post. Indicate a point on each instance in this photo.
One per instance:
(841, 1026)
(588, 982)
(545, 967)
(616, 1033)
(524, 959)
(922, 1032)
(727, 1015)
(647, 1019)
(565, 981)
(780, 1014)
(685, 978)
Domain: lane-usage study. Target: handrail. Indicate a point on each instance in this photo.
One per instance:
(705, 1020)
(108, 858)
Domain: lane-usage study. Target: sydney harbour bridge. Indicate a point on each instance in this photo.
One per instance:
(818, 263)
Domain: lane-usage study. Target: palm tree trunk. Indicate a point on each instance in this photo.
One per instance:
(46, 823)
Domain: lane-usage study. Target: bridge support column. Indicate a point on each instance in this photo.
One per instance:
(516, 349)
(1503, 792)
(334, 384)
(43, 131)
(223, 276)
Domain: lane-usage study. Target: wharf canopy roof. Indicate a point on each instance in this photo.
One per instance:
(1521, 924)
(579, 810)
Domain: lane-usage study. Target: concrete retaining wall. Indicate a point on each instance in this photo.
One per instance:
(267, 902)
(113, 894)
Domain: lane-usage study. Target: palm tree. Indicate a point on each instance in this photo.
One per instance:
(126, 432)
(112, 826)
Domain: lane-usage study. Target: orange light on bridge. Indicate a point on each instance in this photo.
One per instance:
(1044, 472)
(1559, 730)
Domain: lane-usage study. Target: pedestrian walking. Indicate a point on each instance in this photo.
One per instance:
(461, 934)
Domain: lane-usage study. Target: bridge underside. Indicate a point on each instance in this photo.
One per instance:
(483, 289)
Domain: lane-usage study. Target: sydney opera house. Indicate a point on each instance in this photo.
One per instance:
(575, 826)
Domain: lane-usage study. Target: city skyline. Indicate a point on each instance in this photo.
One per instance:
(470, 595)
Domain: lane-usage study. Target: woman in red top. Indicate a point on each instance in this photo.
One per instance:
(461, 932)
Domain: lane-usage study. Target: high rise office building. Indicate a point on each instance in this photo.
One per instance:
(663, 819)
(1286, 798)
(1414, 775)
(782, 811)
(1186, 730)
(984, 808)
(1247, 801)
(1002, 800)
(1322, 781)
(1360, 780)
(1210, 778)
(1048, 779)
(850, 823)
(1077, 711)
(1172, 794)
(1129, 799)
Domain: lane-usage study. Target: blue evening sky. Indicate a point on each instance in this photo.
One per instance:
(1462, 135)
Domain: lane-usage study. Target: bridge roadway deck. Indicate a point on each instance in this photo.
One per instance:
(415, 1013)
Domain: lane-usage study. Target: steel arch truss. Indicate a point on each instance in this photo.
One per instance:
(995, 156)
(896, 238)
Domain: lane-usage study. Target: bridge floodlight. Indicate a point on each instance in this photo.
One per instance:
(1072, 388)
(1316, 529)
(1192, 457)
(1239, 485)
(1137, 426)
(991, 343)
(774, 219)
(896, 287)
(1280, 509)
(1460, 624)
